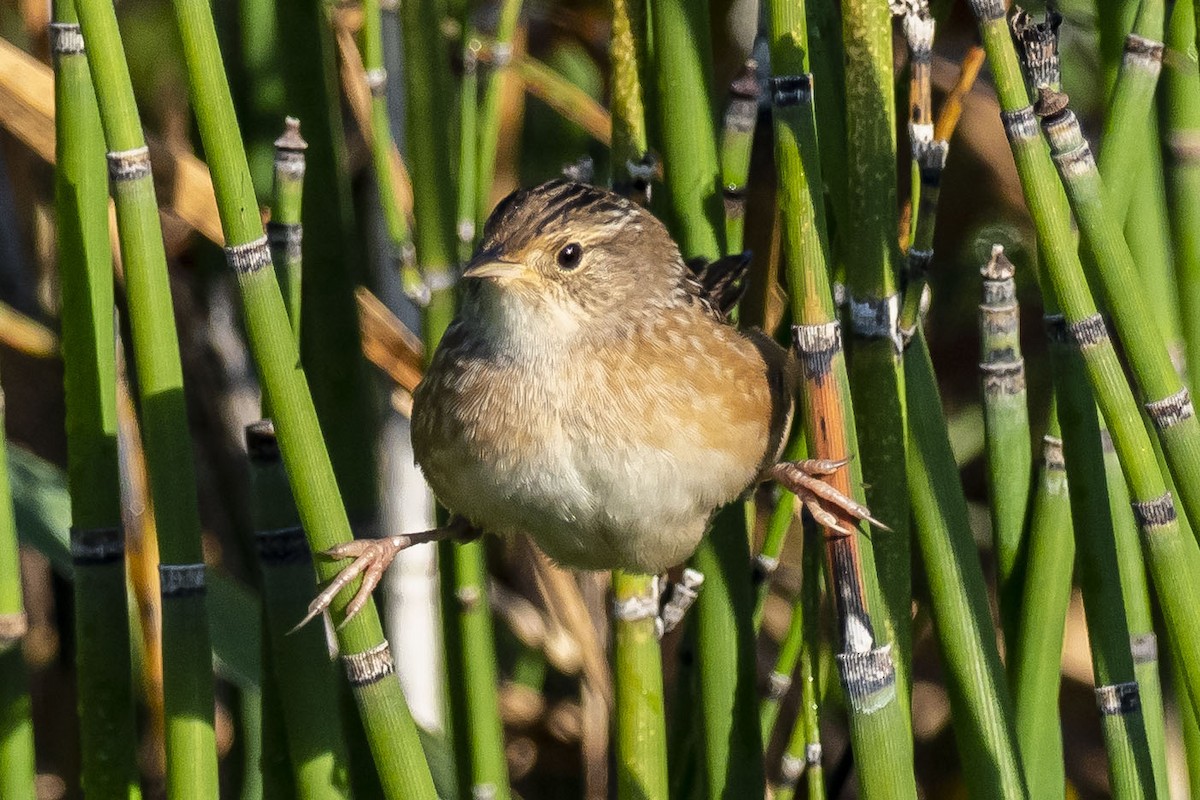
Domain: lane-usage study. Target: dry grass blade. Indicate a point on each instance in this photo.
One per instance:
(26, 335)
(387, 343)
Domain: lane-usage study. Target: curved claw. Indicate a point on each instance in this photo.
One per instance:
(371, 559)
(803, 478)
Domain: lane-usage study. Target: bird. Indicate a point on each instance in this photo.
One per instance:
(592, 394)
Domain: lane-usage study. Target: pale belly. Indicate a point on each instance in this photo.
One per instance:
(579, 477)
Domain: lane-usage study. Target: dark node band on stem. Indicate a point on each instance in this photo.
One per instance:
(1003, 378)
(1171, 410)
(918, 33)
(868, 679)
(96, 546)
(1118, 699)
(1056, 329)
(987, 10)
(368, 667)
(129, 165)
(919, 262)
(286, 240)
(816, 345)
(1144, 648)
(1143, 53)
(1052, 454)
(877, 318)
(931, 157)
(181, 580)
(734, 198)
(246, 259)
(279, 547)
(66, 39)
(791, 90)
(1088, 332)
(1155, 513)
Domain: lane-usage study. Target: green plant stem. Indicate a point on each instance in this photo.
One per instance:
(1130, 113)
(1167, 399)
(1006, 425)
(1098, 561)
(187, 673)
(779, 524)
(390, 729)
(802, 758)
(489, 112)
(330, 348)
(17, 768)
(691, 196)
(726, 710)
(871, 255)
(106, 705)
(737, 137)
(301, 670)
(779, 682)
(979, 696)
(285, 231)
(641, 744)
(1168, 553)
(1182, 106)
(1035, 657)
(376, 77)
(877, 701)
(628, 58)
(468, 142)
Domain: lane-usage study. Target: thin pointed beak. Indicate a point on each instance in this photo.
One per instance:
(495, 268)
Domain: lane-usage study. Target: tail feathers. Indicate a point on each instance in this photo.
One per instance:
(723, 281)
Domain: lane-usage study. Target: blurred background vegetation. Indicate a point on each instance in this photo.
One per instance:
(551, 634)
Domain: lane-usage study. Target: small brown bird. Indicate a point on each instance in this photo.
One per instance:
(591, 394)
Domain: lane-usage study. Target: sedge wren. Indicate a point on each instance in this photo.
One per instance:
(591, 394)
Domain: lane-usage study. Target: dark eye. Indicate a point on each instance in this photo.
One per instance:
(570, 256)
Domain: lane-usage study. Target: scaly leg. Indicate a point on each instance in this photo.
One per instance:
(804, 479)
(371, 558)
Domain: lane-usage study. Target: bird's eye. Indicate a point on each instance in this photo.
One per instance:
(570, 256)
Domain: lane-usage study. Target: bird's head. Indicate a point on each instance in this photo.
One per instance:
(569, 252)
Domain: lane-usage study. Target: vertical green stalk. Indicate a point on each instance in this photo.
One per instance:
(187, 654)
(802, 758)
(106, 707)
(871, 254)
(1035, 658)
(489, 115)
(333, 261)
(301, 669)
(470, 656)
(737, 137)
(692, 205)
(876, 701)
(1098, 561)
(979, 696)
(1006, 425)
(1168, 401)
(17, 768)
(691, 196)
(468, 164)
(365, 653)
(641, 736)
(1135, 593)
(285, 231)
(1182, 105)
(783, 516)
(1168, 553)
(376, 76)
(641, 744)
(779, 682)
